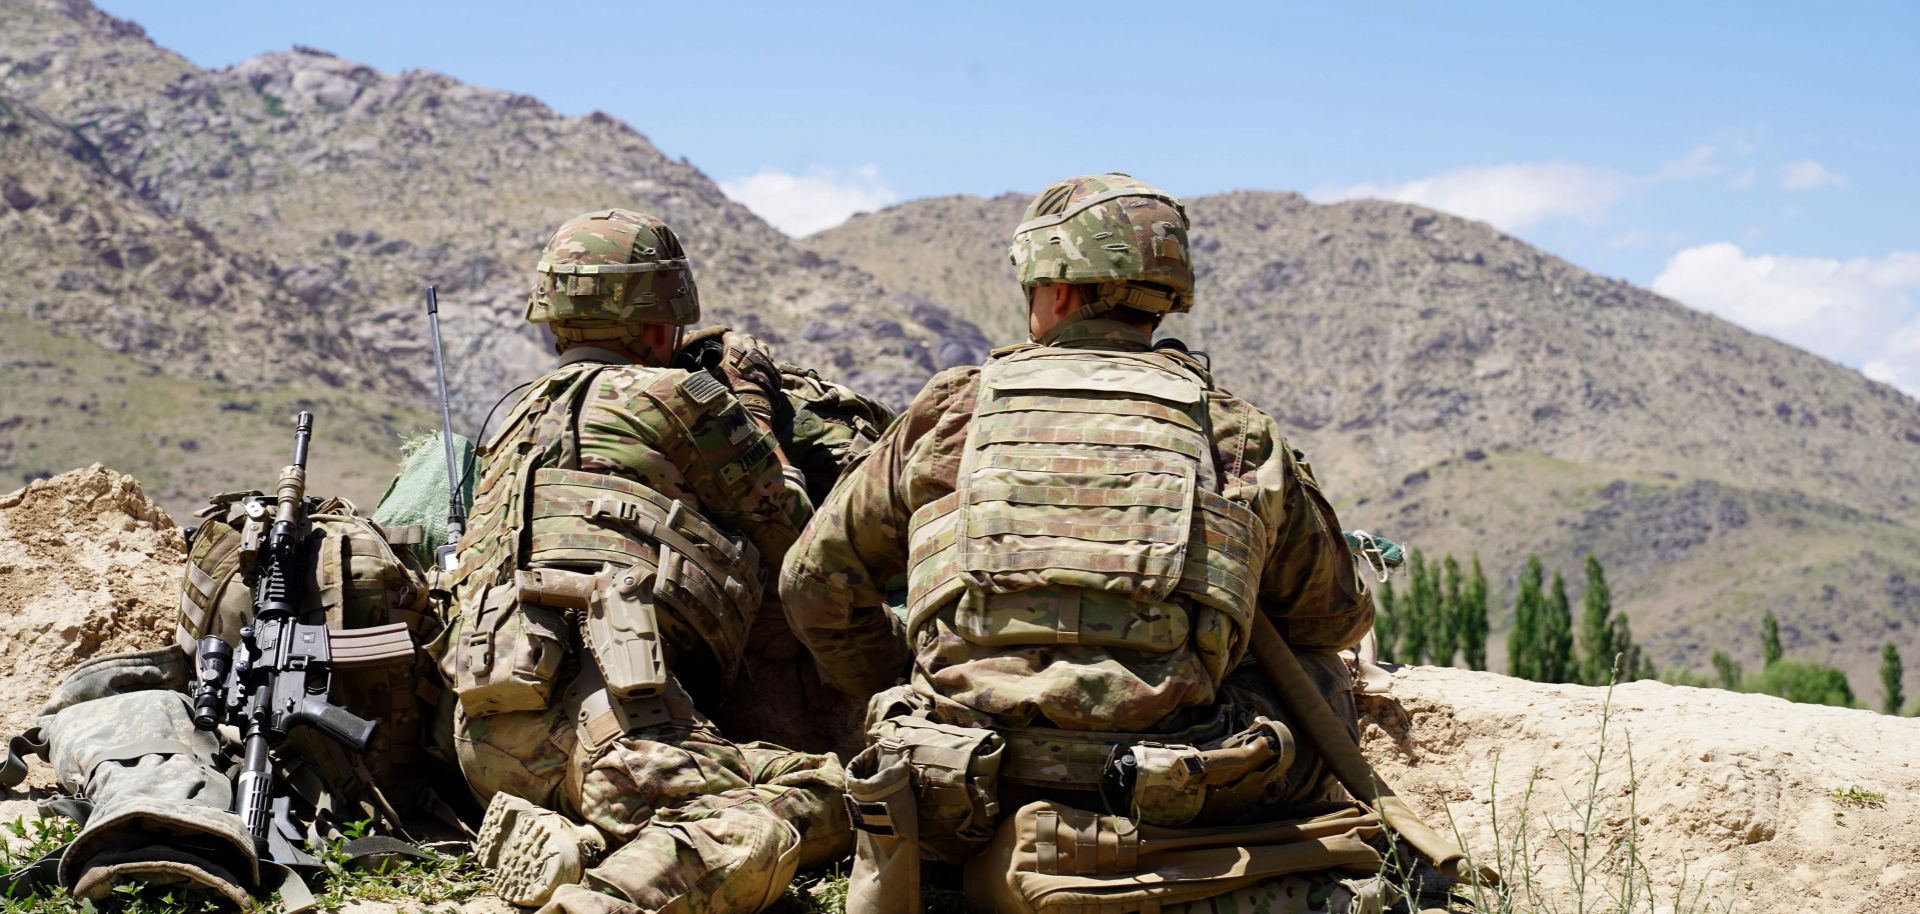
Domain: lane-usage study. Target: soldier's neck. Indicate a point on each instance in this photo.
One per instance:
(580, 353)
(1096, 333)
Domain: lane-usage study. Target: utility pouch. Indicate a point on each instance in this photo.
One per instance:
(1174, 785)
(508, 653)
(623, 635)
(886, 835)
(956, 777)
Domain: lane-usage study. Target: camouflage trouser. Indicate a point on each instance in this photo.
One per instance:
(698, 824)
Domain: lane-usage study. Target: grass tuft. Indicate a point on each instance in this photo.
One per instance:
(1858, 797)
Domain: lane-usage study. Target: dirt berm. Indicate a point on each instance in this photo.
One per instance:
(1703, 800)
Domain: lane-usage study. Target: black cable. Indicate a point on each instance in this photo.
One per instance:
(466, 470)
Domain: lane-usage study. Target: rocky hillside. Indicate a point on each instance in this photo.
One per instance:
(340, 192)
(1463, 389)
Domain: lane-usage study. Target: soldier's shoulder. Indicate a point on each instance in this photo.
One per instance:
(945, 390)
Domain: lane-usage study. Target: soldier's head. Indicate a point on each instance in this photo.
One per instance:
(618, 279)
(1104, 246)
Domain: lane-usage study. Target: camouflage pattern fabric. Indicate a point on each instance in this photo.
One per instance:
(833, 582)
(696, 822)
(119, 734)
(616, 266)
(1112, 230)
(1041, 630)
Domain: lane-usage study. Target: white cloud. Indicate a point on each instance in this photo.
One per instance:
(1511, 197)
(1861, 312)
(1744, 179)
(820, 199)
(1810, 175)
(1520, 195)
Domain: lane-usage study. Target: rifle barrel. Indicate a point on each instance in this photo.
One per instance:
(302, 434)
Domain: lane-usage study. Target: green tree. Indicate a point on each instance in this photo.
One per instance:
(1633, 662)
(1387, 624)
(1556, 635)
(1447, 622)
(1473, 624)
(1523, 644)
(1728, 674)
(1416, 636)
(1597, 631)
(1807, 683)
(1891, 672)
(1770, 639)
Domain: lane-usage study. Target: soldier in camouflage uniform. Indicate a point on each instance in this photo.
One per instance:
(606, 587)
(1087, 525)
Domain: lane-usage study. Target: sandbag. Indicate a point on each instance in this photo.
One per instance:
(160, 808)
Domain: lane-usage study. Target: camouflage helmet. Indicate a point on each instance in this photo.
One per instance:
(1112, 230)
(613, 268)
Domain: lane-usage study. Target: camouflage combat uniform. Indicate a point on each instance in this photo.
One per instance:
(1085, 526)
(656, 493)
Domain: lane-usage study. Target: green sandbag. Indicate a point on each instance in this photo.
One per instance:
(1392, 554)
(419, 494)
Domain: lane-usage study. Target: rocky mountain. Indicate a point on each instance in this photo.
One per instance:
(1464, 390)
(341, 192)
(188, 255)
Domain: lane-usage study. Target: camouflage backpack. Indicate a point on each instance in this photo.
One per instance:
(831, 425)
(364, 575)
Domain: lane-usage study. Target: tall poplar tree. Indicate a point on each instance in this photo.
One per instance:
(1452, 610)
(1523, 644)
(1417, 636)
(1473, 634)
(1387, 624)
(1597, 630)
(1556, 635)
(1891, 672)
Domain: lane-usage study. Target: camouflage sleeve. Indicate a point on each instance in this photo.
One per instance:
(833, 583)
(1309, 588)
(733, 466)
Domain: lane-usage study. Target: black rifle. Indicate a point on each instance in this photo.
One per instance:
(278, 677)
(445, 556)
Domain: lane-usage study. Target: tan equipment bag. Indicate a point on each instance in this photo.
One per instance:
(1050, 858)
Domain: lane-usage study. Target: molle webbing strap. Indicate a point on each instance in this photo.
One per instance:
(705, 577)
(1047, 757)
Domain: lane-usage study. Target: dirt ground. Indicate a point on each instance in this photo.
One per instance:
(1720, 801)
(1729, 800)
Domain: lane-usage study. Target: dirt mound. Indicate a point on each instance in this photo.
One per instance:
(1703, 800)
(87, 566)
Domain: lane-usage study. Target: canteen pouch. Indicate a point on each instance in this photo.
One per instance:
(507, 653)
(1175, 785)
(956, 778)
(886, 835)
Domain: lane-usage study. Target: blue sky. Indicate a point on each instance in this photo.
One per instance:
(1758, 160)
